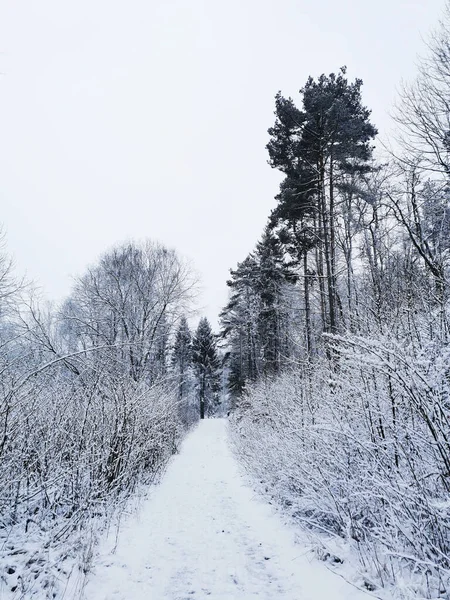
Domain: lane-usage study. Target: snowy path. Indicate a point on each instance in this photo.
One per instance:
(203, 534)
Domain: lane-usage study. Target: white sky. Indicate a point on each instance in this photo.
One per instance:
(149, 118)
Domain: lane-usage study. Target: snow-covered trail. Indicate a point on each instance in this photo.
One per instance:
(204, 534)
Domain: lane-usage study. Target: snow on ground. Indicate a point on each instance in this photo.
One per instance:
(203, 534)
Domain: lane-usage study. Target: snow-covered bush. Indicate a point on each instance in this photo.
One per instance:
(358, 445)
(88, 412)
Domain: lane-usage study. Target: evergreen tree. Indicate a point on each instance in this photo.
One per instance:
(207, 367)
(318, 148)
(182, 367)
(239, 328)
(255, 321)
(270, 284)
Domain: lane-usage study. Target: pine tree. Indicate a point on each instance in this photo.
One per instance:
(256, 319)
(182, 367)
(239, 326)
(207, 367)
(317, 148)
(270, 283)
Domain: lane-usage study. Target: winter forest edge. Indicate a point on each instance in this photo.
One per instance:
(332, 358)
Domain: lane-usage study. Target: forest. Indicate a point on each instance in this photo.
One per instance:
(95, 397)
(337, 327)
(332, 359)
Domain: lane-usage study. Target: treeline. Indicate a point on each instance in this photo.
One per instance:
(94, 397)
(337, 327)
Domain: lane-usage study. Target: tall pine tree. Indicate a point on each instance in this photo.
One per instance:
(317, 148)
(255, 321)
(182, 368)
(207, 367)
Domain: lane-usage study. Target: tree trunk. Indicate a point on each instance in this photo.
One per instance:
(202, 397)
(307, 305)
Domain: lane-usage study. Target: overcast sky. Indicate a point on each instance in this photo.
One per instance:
(149, 118)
